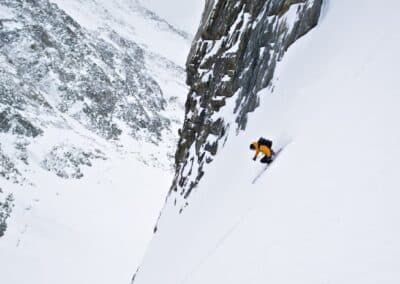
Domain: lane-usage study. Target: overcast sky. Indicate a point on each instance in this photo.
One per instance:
(185, 14)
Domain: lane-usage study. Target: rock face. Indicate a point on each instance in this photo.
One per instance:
(233, 57)
(5, 211)
(96, 81)
(8, 170)
(66, 160)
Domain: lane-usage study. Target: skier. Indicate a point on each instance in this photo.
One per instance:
(264, 146)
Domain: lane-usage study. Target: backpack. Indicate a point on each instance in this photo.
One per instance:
(266, 142)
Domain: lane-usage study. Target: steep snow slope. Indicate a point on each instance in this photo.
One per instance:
(327, 210)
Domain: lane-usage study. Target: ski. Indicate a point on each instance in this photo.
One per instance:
(266, 166)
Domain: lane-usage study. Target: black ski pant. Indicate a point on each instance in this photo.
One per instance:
(266, 160)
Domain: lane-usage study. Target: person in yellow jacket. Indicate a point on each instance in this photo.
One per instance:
(263, 146)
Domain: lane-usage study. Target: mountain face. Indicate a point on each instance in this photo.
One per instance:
(55, 74)
(232, 58)
(98, 82)
(326, 210)
(91, 98)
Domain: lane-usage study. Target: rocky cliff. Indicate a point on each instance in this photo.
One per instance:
(94, 80)
(232, 57)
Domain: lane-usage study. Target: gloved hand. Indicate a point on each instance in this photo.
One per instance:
(254, 158)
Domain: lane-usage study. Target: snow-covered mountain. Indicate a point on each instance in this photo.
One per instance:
(326, 211)
(91, 98)
(133, 21)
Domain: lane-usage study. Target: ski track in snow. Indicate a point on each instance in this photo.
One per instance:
(217, 245)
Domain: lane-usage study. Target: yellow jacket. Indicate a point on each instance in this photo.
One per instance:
(263, 149)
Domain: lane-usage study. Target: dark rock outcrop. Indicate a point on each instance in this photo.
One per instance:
(8, 170)
(66, 161)
(5, 211)
(17, 124)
